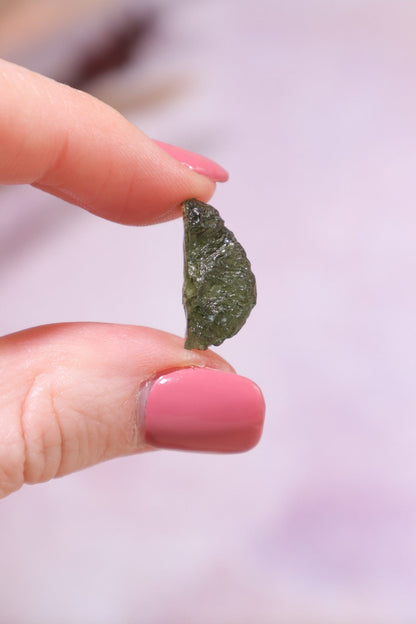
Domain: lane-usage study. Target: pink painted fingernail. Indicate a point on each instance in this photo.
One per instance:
(201, 409)
(196, 162)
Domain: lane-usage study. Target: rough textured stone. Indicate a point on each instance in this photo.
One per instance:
(219, 289)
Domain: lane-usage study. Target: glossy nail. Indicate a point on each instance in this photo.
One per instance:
(201, 409)
(196, 162)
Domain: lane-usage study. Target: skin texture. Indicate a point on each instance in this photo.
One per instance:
(70, 144)
(68, 393)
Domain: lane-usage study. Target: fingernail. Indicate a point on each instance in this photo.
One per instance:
(196, 162)
(201, 409)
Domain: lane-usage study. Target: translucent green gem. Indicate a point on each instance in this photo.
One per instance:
(219, 288)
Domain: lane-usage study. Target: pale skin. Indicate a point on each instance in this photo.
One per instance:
(68, 393)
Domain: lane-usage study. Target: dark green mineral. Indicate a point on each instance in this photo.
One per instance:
(219, 289)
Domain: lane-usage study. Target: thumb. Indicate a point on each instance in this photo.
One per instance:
(74, 395)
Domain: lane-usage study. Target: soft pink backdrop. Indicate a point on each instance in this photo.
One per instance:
(311, 107)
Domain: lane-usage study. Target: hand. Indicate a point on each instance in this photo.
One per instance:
(72, 395)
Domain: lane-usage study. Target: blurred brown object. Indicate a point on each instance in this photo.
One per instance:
(93, 45)
(114, 51)
(25, 22)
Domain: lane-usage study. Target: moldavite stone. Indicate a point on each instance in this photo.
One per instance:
(219, 289)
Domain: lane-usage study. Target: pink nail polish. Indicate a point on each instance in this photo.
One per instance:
(196, 162)
(201, 409)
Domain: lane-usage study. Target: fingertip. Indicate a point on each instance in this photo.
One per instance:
(71, 145)
(196, 162)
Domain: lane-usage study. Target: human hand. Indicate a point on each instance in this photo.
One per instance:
(72, 395)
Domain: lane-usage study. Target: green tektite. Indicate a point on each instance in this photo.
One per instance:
(219, 288)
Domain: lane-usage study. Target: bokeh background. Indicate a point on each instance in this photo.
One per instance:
(311, 107)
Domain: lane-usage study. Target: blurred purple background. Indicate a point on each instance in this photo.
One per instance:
(311, 107)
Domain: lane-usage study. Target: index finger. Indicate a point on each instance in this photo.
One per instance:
(72, 145)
